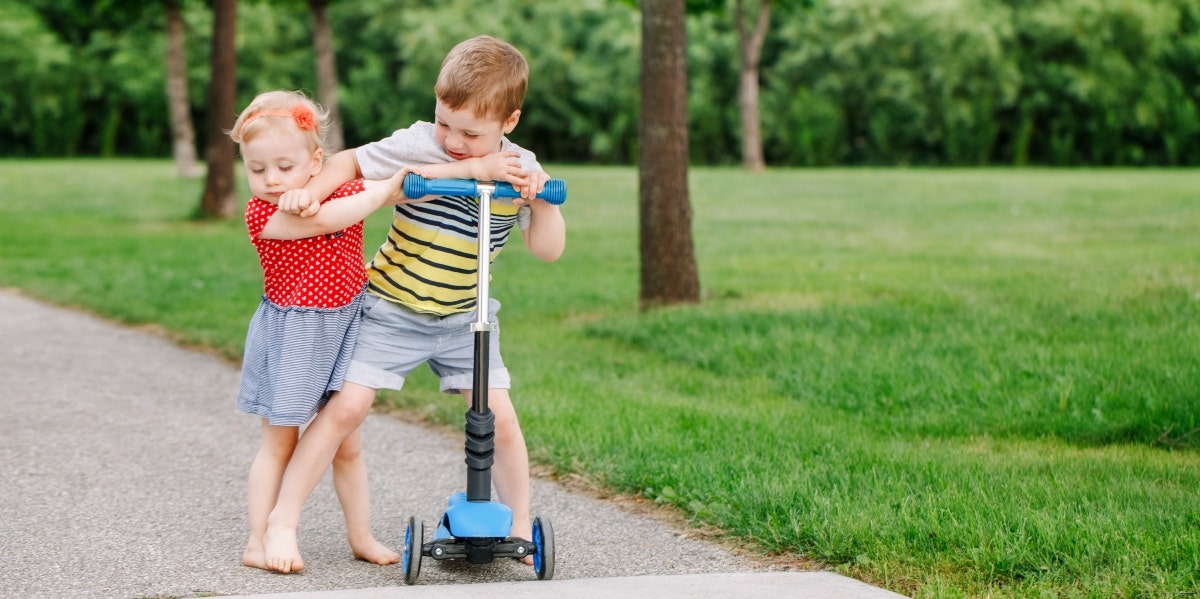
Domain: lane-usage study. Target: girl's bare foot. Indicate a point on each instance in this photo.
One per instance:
(253, 556)
(370, 550)
(281, 551)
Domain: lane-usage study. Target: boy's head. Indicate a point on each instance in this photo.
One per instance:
(484, 75)
(479, 94)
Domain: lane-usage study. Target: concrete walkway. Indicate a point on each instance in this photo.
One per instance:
(125, 467)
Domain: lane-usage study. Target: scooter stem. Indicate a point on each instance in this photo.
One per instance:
(481, 423)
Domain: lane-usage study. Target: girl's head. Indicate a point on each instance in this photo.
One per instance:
(281, 134)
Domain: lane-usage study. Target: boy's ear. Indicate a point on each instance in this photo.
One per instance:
(511, 122)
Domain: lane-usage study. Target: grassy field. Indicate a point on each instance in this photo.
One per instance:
(950, 383)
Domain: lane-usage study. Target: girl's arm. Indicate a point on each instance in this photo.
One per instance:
(337, 214)
(340, 167)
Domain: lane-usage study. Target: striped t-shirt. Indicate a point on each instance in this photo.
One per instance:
(428, 262)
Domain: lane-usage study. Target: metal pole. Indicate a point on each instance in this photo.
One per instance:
(481, 423)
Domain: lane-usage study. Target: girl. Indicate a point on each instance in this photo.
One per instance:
(301, 337)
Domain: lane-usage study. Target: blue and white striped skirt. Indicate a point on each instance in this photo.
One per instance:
(295, 358)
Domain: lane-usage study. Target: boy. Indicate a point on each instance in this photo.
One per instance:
(422, 280)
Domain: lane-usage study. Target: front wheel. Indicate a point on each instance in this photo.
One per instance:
(414, 538)
(543, 540)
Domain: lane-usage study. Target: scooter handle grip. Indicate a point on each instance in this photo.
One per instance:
(416, 186)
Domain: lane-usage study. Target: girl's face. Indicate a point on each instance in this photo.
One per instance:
(279, 159)
(464, 135)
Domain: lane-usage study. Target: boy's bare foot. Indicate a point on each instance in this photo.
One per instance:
(523, 531)
(253, 556)
(370, 550)
(281, 551)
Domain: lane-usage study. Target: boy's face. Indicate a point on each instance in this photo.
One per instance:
(464, 135)
(278, 160)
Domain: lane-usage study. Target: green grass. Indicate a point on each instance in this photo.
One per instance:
(951, 383)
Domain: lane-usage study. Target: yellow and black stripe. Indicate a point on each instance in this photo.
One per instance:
(428, 262)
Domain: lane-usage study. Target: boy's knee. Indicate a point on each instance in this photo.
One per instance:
(506, 420)
(348, 452)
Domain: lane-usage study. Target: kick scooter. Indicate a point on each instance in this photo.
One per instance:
(473, 526)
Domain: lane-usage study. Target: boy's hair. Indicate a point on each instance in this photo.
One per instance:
(312, 119)
(483, 74)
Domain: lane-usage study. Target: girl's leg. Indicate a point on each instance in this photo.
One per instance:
(350, 481)
(314, 452)
(510, 472)
(278, 443)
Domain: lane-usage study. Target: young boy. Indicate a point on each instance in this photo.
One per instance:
(422, 280)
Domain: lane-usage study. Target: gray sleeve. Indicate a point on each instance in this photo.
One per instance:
(414, 145)
(418, 145)
(524, 217)
(528, 160)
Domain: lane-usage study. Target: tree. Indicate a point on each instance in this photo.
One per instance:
(750, 44)
(183, 135)
(327, 77)
(668, 261)
(218, 200)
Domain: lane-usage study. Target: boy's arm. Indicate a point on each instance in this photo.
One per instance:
(497, 166)
(338, 214)
(305, 202)
(546, 236)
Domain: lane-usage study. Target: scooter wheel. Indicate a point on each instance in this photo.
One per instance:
(414, 538)
(543, 540)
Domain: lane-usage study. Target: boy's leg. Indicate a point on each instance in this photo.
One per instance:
(277, 445)
(510, 472)
(314, 453)
(350, 481)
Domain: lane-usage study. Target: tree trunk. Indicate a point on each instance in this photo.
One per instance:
(183, 136)
(218, 200)
(750, 52)
(668, 262)
(327, 78)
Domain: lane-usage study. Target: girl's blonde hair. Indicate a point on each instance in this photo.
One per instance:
(272, 107)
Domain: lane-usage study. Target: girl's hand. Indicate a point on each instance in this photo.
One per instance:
(299, 202)
(392, 188)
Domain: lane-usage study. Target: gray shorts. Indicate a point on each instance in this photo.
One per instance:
(393, 340)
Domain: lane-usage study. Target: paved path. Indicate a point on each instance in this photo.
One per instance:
(124, 465)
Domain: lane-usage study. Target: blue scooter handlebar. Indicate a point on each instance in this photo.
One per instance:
(416, 186)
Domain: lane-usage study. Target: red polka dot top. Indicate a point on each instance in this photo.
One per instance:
(325, 271)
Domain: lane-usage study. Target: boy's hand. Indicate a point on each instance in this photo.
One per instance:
(501, 166)
(299, 202)
(536, 181)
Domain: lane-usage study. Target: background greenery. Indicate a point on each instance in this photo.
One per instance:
(883, 82)
(951, 383)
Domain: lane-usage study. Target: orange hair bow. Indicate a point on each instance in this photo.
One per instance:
(303, 115)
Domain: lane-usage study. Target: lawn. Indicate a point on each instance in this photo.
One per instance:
(950, 383)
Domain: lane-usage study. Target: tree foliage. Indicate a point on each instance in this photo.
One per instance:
(1059, 82)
